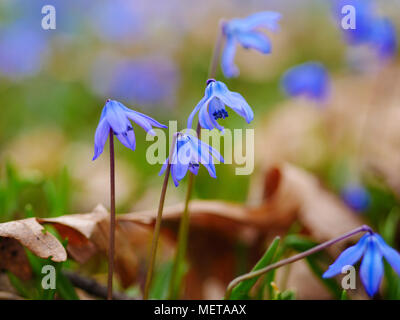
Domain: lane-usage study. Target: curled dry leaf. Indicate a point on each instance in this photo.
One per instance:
(88, 234)
(32, 235)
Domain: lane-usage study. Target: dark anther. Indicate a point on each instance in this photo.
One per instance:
(210, 80)
(220, 114)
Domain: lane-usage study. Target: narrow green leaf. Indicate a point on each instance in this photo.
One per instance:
(162, 277)
(241, 291)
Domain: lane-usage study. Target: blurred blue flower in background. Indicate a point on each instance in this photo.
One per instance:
(145, 81)
(310, 79)
(188, 154)
(22, 50)
(245, 32)
(116, 116)
(378, 33)
(364, 14)
(371, 247)
(116, 21)
(148, 81)
(356, 197)
(212, 106)
(383, 38)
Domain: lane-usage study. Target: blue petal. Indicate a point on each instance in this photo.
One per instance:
(233, 100)
(202, 153)
(254, 40)
(183, 159)
(391, 255)
(348, 257)
(116, 117)
(194, 169)
(132, 114)
(164, 167)
(227, 58)
(371, 271)
(173, 175)
(127, 138)
(205, 148)
(100, 137)
(204, 117)
(202, 103)
(265, 19)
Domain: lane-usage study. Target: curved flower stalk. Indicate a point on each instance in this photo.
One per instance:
(115, 120)
(188, 154)
(371, 248)
(246, 33)
(310, 79)
(116, 117)
(213, 106)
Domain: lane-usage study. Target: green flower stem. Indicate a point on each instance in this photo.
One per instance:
(157, 227)
(111, 247)
(183, 232)
(292, 259)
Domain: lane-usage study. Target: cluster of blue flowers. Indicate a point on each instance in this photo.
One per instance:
(309, 79)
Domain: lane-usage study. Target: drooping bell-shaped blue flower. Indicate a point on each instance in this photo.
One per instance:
(310, 79)
(116, 117)
(188, 154)
(372, 248)
(246, 33)
(356, 197)
(212, 106)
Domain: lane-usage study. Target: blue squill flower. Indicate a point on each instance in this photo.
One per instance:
(245, 32)
(356, 197)
(212, 106)
(116, 116)
(372, 248)
(188, 154)
(310, 79)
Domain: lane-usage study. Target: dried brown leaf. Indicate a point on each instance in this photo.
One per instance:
(33, 236)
